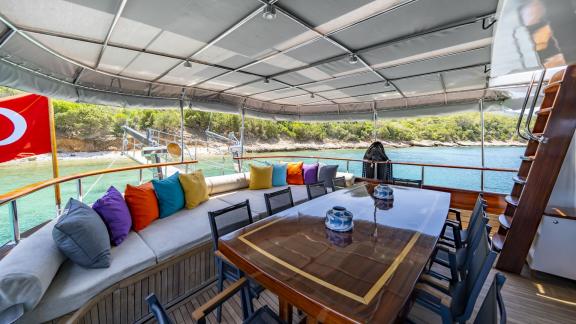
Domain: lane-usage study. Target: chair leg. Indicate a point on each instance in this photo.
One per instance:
(220, 288)
(247, 307)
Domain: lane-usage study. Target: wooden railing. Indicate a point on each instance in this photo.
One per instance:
(421, 165)
(449, 166)
(12, 196)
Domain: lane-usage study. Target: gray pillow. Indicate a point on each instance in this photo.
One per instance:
(82, 236)
(326, 173)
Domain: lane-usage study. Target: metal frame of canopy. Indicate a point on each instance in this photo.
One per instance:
(352, 94)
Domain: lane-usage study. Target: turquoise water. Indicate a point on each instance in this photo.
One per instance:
(39, 206)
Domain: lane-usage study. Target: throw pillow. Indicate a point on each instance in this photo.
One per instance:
(294, 173)
(310, 172)
(260, 177)
(115, 214)
(143, 205)
(170, 195)
(279, 174)
(195, 189)
(81, 235)
(326, 173)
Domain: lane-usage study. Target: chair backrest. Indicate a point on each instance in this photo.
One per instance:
(407, 182)
(493, 304)
(316, 190)
(479, 207)
(338, 183)
(229, 219)
(481, 261)
(278, 201)
(157, 310)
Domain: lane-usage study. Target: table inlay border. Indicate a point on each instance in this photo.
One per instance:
(367, 298)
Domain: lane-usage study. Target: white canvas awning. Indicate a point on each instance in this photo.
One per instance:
(223, 55)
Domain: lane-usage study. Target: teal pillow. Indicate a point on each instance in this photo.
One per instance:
(279, 174)
(170, 195)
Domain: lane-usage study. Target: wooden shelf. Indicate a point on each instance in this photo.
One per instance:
(519, 180)
(527, 158)
(505, 221)
(512, 200)
(544, 111)
(498, 242)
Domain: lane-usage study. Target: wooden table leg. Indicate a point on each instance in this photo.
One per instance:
(311, 320)
(285, 310)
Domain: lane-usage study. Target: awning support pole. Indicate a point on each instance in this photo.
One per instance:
(243, 120)
(374, 119)
(182, 125)
(483, 130)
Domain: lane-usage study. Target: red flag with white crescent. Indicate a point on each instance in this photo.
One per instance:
(24, 127)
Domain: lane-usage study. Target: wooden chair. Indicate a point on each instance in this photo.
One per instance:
(222, 222)
(278, 201)
(316, 190)
(338, 183)
(262, 315)
(407, 182)
(454, 301)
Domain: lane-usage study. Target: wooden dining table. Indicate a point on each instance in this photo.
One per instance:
(365, 275)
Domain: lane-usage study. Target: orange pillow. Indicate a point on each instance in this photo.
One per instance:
(143, 205)
(295, 175)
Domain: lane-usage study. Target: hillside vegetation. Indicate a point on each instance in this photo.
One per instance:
(91, 122)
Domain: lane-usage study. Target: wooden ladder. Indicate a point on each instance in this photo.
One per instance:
(547, 146)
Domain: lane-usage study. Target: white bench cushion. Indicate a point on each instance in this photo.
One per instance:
(74, 285)
(181, 231)
(27, 271)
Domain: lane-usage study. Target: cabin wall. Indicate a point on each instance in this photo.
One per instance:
(564, 193)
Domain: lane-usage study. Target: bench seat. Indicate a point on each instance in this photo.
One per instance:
(74, 285)
(181, 231)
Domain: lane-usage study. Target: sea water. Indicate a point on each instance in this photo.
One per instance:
(39, 207)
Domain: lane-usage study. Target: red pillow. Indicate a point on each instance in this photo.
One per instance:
(294, 173)
(143, 205)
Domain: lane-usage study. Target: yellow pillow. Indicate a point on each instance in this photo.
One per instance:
(195, 189)
(260, 177)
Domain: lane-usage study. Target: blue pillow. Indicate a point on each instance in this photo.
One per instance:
(170, 195)
(279, 174)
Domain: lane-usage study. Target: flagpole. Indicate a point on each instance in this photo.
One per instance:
(54, 150)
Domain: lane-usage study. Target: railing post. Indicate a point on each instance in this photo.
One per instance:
(140, 176)
(79, 189)
(347, 166)
(15, 222)
(482, 180)
(422, 174)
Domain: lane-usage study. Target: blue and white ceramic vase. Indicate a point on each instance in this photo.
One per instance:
(339, 219)
(383, 192)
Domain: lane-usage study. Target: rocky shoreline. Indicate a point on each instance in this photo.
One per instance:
(283, 146)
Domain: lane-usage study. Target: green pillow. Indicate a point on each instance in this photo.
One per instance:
(170, 195)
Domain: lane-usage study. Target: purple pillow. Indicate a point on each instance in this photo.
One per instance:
(310, 173)
(115, 213)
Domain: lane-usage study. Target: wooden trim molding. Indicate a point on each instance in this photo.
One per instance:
(21, 192)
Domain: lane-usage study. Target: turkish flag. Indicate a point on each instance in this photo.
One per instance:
(24, 126)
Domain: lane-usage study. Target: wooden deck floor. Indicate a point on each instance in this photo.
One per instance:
(529, 298)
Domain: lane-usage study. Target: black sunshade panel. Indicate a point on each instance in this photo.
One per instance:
(439, 41)
(200, 20)
(456, 60)
(410, 19)
(259, 36)
(21, 51)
